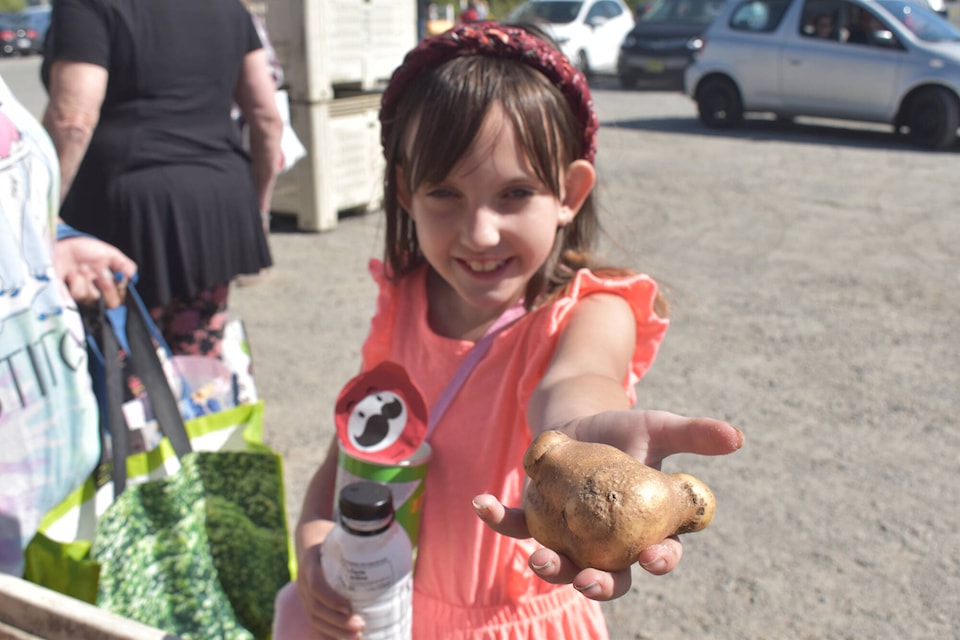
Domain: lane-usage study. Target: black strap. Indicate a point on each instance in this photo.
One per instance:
(112, 408)
(143, 361)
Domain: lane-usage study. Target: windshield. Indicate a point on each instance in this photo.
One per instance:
(695, 11)
(553, 12)
(923, 22)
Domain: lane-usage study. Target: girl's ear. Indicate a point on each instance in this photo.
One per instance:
(403, 195)
(581, 176)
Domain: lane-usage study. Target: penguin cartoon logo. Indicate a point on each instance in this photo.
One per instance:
(381, 415)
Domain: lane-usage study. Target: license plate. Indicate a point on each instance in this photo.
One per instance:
(23, 43)
(653, 65)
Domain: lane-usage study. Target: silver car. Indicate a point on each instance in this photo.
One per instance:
(891, 61)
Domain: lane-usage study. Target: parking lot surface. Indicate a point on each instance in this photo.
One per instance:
(813, 271)
(814, 274)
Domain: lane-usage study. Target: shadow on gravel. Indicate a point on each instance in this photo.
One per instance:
(287, 223)
(769, 129)
(764, 128)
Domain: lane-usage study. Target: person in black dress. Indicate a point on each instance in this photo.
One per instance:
(140, 97)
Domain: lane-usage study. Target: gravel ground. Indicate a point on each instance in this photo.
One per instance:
(813, 270)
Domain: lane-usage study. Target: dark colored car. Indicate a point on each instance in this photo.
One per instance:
(13, 38)
(662, 43)
(23, 32)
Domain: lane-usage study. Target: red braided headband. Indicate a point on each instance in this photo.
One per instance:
(502, 41)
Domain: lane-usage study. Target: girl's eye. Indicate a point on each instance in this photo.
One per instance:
(440, 192)
(519, 193)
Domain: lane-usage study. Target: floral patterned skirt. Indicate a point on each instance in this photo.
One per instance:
(194, 327)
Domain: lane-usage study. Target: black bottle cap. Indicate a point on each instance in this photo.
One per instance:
(366, 501)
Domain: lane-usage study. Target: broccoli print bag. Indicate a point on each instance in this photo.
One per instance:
(189, 536)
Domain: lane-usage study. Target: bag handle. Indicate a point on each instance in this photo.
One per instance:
(131, 326)
(111, 406)
(466, 367)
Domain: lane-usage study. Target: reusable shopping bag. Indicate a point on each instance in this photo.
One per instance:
(48, 418)
(189, 536)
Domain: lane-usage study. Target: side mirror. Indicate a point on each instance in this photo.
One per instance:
(884, 38)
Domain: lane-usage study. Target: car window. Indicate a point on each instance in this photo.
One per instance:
(604, 9)
(696, 11)
(758, 15)
(596, 11)
(859, 26)
(37, 19)
(553, 12)
(821, 19)
(924, 23)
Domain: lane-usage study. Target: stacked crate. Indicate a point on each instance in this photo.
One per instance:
(337, 56)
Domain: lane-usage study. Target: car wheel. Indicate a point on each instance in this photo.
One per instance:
(583, 64)
(719, 104)
(933, 118)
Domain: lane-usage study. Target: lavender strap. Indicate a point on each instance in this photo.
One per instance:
(476, 354)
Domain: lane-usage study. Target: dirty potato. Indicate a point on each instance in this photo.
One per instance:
(601, 507)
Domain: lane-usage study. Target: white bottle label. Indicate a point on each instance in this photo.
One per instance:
(387, 616)
(376, 574)
(361, 578)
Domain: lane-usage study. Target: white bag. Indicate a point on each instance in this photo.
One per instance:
(292, 150)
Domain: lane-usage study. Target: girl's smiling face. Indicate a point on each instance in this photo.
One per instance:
(489, 225)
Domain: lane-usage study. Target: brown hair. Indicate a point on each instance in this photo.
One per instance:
(435, 122)
(447, 107)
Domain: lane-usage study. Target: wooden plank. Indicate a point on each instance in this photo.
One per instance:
(36, 612)
(12, 633)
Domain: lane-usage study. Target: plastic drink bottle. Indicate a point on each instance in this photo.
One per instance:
(368, 559)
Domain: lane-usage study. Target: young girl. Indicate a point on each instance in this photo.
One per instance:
(489, 135)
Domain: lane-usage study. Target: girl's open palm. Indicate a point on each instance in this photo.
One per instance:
(649, 436)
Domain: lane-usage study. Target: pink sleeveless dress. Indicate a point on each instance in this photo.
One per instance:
(470, 582)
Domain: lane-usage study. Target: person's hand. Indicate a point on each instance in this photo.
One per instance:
(649, 436)
(92, 269)
(329, 613)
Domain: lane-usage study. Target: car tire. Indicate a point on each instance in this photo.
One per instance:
(583, 64)
(933, 117)
(719, 103)
(628, 81)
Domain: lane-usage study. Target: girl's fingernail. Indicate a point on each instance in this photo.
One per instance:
(541, 567)
(479, 507)
(588, 589)
(655, 565)
(356, 622)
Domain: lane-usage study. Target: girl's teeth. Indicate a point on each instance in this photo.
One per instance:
(483, 266)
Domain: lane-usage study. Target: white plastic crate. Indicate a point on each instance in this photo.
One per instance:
(345, 171)
(326, 45)
(328, 49)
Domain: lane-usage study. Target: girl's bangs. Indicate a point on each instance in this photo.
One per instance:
(455, 100)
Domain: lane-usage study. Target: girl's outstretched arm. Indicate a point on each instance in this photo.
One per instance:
(582, 395)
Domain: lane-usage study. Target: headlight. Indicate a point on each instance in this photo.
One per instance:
(695, 44)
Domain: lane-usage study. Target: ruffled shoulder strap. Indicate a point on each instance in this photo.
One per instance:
(640, 291)
(376, 347)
